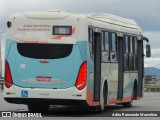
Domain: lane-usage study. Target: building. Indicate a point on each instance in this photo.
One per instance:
(150, 79)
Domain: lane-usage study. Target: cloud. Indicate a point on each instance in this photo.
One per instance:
(152, 62)
(155, 53)
(145, 12)
(154, 38)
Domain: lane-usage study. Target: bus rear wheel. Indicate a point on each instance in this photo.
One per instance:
(127, 105)
(38, 107)
(101, 108)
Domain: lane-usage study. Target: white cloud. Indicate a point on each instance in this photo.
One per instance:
(152, 62)
(145, 12)
(155, 52)
(154, 38)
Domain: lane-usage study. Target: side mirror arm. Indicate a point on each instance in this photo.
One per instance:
(146, 39)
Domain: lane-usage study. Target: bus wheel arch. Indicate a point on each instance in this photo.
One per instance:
(105, 91)
(103, 100)
(134, 93)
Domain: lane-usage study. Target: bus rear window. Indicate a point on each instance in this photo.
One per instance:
(44, 51)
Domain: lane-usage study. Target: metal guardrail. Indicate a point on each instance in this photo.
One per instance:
(152, 87)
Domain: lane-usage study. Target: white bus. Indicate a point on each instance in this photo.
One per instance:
(60, 58)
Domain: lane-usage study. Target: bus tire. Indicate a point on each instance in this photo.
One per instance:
(127, 104)
(38, 107)
(135, 91)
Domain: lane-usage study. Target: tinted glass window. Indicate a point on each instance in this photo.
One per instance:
(91, 42)
(131, 47)
(126, 61)
(135, 63)
(131, 62)
(106, 41)
(126, 44)
(102, 40)
(44, 51)
(135, 45)
(113, 42)
(105, 45)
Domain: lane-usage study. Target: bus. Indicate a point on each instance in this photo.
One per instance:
(60, 58)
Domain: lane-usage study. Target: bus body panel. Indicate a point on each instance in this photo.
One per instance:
(111, 76)
(65, 69)
(129, 79)
(68, 93)
(21, 68)
(40, 30)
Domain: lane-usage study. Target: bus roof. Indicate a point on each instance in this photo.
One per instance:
(115, 20)
(25, 25)
(105, 16)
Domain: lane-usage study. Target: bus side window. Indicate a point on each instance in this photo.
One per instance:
(113, 53)
(102, 41)
(105, 47)
(91, 43)
(126, 53)
(130, 54)
(135, 62)
(106, 41)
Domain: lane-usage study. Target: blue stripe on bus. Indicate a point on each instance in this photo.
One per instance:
(83, 49)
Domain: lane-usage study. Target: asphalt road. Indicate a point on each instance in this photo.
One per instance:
(151, 102)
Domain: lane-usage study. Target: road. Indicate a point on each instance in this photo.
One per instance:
(151, 102)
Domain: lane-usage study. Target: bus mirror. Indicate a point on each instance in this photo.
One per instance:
(148, 51)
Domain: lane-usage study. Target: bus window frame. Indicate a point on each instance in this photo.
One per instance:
(116, 47)
(132, 56)
(91, 43)
(105, 51)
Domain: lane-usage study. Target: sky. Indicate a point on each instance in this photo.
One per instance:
(145, 12)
